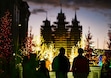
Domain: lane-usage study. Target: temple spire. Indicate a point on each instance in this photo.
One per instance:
(75, 16)
(61, 7)
(75, 21)
(46, 16)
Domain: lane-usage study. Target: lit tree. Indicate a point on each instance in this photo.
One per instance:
(88, 47)
(29, 42)
(6, 43)
(27, 49)
(38, 46)
(5, 35)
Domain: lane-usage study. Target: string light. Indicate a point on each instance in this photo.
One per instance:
(5, 35)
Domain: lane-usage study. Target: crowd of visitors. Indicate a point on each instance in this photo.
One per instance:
(80, 68)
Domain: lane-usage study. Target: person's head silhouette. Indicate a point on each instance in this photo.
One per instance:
(42, 63)
(62, 51)
(80, 51)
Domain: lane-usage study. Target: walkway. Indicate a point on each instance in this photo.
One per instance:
(95, 73)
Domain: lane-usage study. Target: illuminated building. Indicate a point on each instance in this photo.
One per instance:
(61, 33)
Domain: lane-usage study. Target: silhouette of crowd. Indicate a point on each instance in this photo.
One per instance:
(33, 68)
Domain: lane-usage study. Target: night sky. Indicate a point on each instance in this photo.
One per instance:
(95, 14)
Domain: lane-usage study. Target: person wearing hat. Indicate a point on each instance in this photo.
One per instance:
(80, 66)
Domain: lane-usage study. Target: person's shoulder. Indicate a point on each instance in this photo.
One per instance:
(76, 58)
(55, 57)
(84, 57)
(80, 57)
(66, 57)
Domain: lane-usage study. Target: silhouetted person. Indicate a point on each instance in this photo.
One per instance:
(33, 65)
(61, 64)
(29, 66)
(26, 67)
(43, 72)
(80, 65)
(105, 67)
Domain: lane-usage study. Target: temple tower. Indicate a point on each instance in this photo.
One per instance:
(61, 33)
(46, 31)
(76, 31)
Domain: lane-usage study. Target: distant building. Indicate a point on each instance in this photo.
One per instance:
(61, 33)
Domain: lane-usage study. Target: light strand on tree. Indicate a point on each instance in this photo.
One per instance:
(5, 35)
